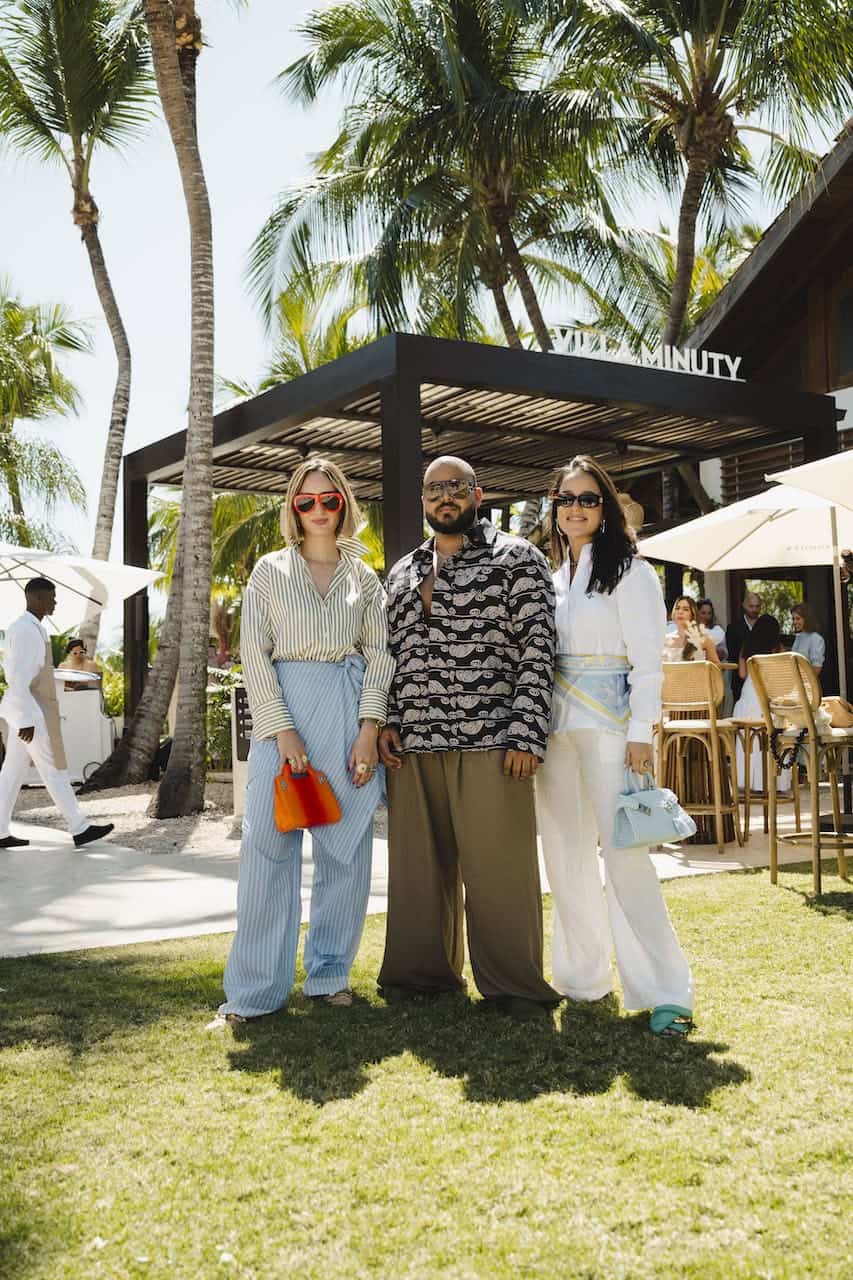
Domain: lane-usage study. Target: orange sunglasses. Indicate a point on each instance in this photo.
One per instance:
(305, 502)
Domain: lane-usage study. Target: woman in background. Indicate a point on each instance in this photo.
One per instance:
(686, 639)
(708, 619)
(807, 639)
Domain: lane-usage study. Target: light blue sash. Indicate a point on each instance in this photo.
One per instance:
(597, 685)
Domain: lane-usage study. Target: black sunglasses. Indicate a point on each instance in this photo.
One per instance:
(586, 499)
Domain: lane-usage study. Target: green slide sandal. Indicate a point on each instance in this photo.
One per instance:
(671, 1020)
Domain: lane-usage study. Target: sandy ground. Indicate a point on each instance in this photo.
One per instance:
(203, 833)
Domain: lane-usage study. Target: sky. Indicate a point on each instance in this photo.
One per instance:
(255, 143)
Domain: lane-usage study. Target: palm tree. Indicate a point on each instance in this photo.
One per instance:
(175, 34)
(311, 324)
(75, 76)
(423, 168)
(634, 311)
(34, 387)
(706, 76)
(175, 50)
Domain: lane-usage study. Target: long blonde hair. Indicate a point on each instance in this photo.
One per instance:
(350, 518)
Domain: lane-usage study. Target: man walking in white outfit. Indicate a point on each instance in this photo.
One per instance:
(31, 710)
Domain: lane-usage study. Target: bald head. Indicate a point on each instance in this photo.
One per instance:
(752, 605)
(448, 467)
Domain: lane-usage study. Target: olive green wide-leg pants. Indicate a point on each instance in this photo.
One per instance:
(454, 821)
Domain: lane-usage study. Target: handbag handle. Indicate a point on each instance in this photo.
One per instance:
(635, 782)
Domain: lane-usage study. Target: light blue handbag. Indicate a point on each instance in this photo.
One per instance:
(648, 815)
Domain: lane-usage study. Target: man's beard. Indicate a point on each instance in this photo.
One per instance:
(458, 524)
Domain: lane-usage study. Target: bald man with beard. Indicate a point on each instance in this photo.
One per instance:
(471, 626)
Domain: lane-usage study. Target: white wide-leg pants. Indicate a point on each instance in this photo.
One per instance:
(58, 781)
(576, 792)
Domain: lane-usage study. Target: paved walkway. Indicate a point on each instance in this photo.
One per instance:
(54, 898)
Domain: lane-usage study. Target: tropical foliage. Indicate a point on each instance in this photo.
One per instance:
(75, 78)
(703, 77)
(424, 186)
(33, 386)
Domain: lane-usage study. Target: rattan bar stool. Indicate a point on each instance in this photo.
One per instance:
(788, 689)
(754, 732)
(697, 689)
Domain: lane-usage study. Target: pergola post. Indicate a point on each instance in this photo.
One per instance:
(402, 465)
(135, 492)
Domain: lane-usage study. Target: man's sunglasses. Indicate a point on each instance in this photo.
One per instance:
(305, 502)
(587, 499)
(448, 488)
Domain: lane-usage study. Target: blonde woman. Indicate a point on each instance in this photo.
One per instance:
(610, 628)
(317, 671)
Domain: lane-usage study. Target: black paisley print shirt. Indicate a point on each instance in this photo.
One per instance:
(475, 674)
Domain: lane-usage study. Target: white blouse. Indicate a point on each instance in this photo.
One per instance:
(25, 649)
(285, 618)
(629, 622)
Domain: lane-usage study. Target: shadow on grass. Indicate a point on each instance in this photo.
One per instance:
(838, 902)
(81, 998)
(320, 1056)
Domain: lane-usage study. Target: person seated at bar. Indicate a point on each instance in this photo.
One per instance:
(77, 659)
(765, 637)
(686, 639)
(807, 639)
(708, 619)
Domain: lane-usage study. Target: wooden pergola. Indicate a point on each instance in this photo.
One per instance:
(384, 411)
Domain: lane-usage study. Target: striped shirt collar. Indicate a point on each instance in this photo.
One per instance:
(350, 548)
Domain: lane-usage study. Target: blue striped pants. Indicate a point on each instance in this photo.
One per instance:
(323, 700)
(261, 967)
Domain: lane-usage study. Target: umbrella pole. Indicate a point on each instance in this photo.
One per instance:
(841, 637)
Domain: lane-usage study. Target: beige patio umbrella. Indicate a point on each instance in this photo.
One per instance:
(780, 527)
(831, 479)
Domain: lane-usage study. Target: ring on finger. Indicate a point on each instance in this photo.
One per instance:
(361, 767)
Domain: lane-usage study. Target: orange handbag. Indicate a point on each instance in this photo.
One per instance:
(304, 800)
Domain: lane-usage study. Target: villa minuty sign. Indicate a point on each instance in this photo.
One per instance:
(594, 346)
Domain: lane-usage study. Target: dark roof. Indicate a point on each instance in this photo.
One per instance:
(808, 229)
(514, 414)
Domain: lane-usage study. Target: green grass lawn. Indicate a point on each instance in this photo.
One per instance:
(436, 1139)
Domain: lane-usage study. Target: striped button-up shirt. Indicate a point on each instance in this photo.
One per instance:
(285, 618)
(477, 673)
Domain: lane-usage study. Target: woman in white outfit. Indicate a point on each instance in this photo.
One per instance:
(610, 630)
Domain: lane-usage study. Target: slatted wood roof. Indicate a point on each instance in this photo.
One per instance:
(515, 415)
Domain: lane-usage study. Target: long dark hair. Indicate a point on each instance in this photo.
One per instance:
(689, 647)
(763, 638)
(613, 547)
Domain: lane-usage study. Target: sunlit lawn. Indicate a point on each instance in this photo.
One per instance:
(436, 1139)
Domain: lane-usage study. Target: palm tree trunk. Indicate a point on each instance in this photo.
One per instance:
(697, 171)
(131, 760)
(182, 789)
(105, 517)
(505, 316)
(518, 271)
(13, 483)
